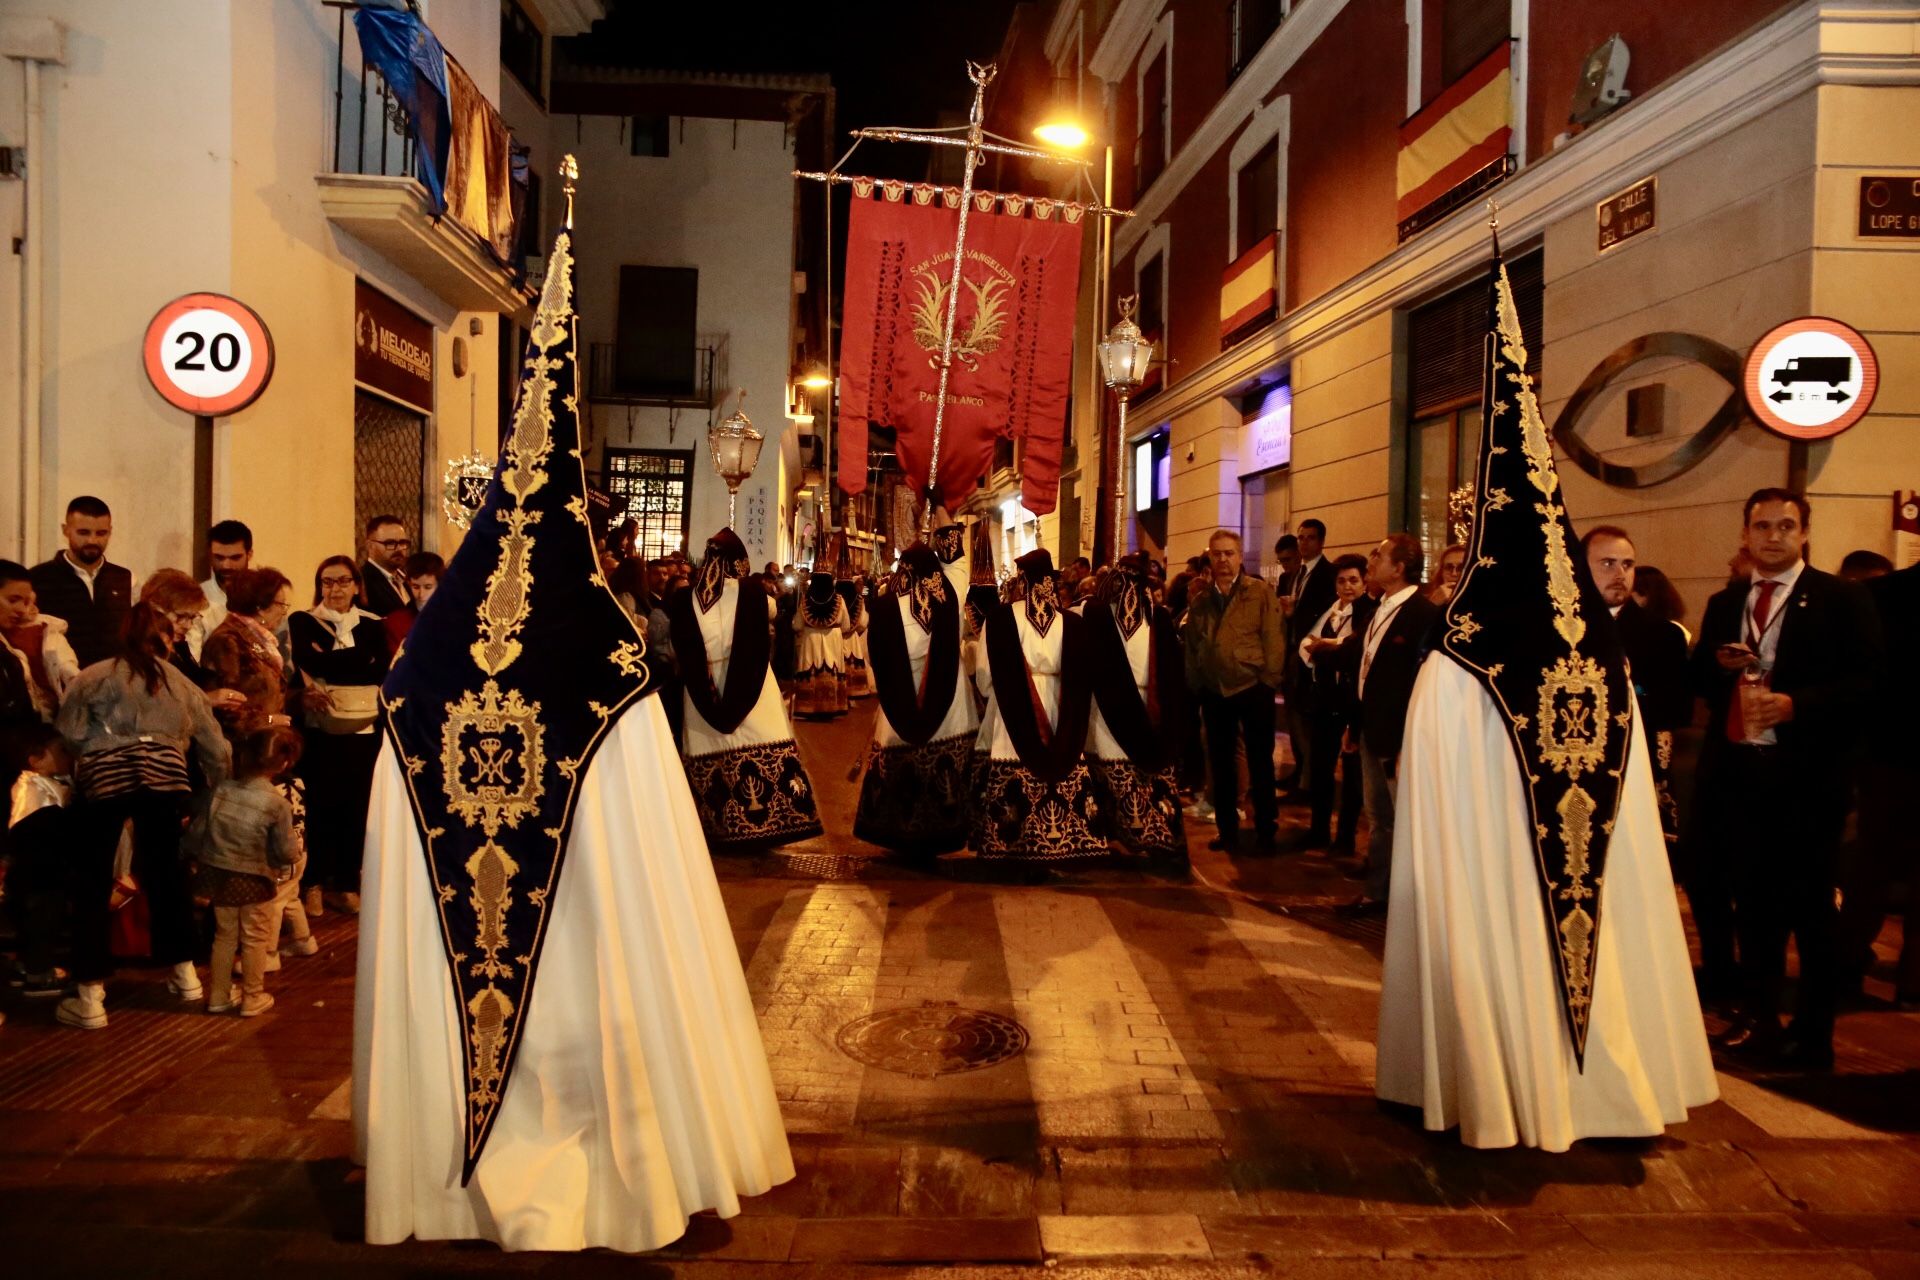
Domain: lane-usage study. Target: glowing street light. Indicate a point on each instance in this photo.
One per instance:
(1064, 134)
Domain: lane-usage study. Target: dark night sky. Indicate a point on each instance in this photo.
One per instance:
(892, 63)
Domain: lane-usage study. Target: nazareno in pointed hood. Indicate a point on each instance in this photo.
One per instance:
(1520, 624)
(515, 673)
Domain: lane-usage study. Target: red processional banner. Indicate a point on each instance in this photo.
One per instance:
(1012, 347)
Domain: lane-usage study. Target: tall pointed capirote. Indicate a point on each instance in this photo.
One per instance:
(1522, 623)
(511, 679)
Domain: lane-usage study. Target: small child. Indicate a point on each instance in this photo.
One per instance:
(40, 839)
(247, 848)
(302, 942)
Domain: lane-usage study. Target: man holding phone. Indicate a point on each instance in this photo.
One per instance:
(1786, 661)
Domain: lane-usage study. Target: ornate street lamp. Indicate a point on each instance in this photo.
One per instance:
(735, 443)
(1124, 356)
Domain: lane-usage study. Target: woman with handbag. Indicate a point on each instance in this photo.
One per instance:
(340, 655)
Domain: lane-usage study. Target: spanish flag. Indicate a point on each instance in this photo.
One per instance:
(1249, 292)
(1457, 135)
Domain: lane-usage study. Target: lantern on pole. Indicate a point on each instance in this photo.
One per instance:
(1125, 354)
(735, 443)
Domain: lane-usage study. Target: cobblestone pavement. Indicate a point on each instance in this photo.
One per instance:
(1193, 1100)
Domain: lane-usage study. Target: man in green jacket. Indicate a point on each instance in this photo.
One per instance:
(1235, 656)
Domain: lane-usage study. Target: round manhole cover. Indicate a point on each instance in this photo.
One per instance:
(937, 1040)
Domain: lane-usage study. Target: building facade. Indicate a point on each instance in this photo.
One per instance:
(242, 147)
(695, 284)
(1310, 245)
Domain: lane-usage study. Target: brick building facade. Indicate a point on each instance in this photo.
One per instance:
(1310, 244)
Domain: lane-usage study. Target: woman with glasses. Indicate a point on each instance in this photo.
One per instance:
(340, 656)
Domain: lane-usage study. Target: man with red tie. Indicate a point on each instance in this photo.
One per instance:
(1786, 661)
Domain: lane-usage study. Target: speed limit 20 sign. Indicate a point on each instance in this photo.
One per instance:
(208, 354)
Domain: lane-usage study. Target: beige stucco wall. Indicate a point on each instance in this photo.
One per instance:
(1342, 433)
(1874, 285)
(184, 140)
(1730, 257)
(137, 162)
(1754, 229)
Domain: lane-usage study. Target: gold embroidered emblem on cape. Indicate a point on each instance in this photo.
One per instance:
(1518, 623)
(510, 680)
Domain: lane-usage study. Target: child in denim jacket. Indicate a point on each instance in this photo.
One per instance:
(247, 849)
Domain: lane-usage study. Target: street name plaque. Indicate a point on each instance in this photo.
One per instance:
(1622, 217)
(1890, 207)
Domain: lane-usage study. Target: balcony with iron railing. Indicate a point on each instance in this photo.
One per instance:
(638, 379)
(467, 248)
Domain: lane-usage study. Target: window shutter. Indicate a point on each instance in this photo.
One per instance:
(1446, 338)
(1469, 29)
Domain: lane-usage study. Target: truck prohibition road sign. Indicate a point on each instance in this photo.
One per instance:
(208, 354)
(1811, 378)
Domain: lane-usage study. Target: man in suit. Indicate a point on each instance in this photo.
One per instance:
(1787, 663)
(1305, 594)
(1327, 701)
(81, 587)
(1656, 653)
(383, 574)
(1387, 652)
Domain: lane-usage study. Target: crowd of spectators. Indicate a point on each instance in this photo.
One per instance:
(205, 749)
(190, 761)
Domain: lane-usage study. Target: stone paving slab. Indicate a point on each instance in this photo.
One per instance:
(1195, 1101)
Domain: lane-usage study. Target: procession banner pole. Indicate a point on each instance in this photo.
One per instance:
(1070, 206)
(981, 76)
(976, 143)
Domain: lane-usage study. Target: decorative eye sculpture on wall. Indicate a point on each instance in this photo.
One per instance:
(1721, 360)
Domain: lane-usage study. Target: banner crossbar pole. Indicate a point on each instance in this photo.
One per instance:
(1085, 207)
(943, 140)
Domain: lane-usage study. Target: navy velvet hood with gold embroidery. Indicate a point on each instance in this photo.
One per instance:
(512, 677)
(1520, 624)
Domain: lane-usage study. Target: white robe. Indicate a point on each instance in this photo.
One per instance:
(767, 722)
(960, 718)
(641, 1094)
(1471, 1022)
(822, 647)
(1043, 654)
(1100, 739)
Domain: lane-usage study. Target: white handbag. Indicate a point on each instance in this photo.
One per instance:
(355, 706)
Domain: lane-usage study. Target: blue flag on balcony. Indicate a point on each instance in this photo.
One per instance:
(409, 58)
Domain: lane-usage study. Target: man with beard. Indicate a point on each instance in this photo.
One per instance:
(743, 766)
(81, 587)
(229, 550)
(1656, 654)
(383, 576)
(1033, 799)
(1139, 714)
